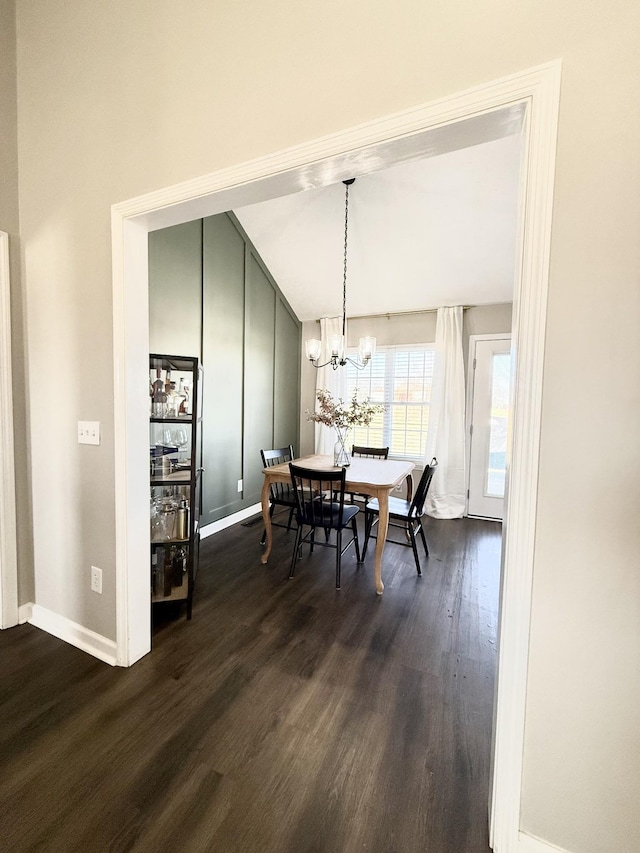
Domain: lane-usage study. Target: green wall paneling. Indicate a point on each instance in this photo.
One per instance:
(258, 373)
(232, 314)
(223, 361)
(175, 289)
(286, 416)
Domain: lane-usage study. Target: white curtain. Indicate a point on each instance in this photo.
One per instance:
(446, 433)
(333, 381)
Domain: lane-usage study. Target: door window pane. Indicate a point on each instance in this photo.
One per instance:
(496, 467)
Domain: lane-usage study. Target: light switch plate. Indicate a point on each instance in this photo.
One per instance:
(88, 432)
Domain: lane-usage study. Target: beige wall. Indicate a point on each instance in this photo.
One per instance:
(9, 222)
(122, 98)
(9, 123)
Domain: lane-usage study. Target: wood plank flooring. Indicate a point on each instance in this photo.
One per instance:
(286, 717)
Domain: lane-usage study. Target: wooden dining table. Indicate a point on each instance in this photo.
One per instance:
(376, 478)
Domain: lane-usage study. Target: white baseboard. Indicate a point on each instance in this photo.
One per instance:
(90, 642)
(94, 644)
(223, 523)
(531, 844)
(24, 612)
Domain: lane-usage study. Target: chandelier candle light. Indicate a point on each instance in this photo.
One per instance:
(342, 416)
(337, 343)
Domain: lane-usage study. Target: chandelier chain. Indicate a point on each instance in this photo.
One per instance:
(336, 343)
(344, 277)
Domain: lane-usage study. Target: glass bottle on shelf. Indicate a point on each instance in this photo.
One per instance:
(158, 397)
(157, 571)
(180, 410)
(173, 401)
(179, 566)
(184, 391)
(168, 571)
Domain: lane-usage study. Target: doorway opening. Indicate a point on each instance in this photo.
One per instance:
(531, 97)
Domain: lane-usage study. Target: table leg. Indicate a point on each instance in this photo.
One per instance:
(383, 527)
(266, 517)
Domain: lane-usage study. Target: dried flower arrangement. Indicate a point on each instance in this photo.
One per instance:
(336, 413)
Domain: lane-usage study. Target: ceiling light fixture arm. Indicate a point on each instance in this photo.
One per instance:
(337, 362)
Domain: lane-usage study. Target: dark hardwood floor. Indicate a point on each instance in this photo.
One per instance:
(286, 717)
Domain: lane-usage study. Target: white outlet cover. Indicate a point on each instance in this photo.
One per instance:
(96, 579)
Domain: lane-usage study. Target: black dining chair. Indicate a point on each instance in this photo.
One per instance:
(315, 510)
(406, 515)
(280, 494)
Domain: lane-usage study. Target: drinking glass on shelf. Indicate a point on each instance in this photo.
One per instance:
(156, 532)
(167, 514)
(181, 439)
(163, 518)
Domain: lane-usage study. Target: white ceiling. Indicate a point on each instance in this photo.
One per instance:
(437, 231)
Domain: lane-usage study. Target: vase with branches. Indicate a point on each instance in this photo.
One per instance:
(342, 416)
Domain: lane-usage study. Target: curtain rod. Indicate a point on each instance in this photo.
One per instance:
(390, 314)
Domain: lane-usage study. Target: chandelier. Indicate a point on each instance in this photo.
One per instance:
(337, 343)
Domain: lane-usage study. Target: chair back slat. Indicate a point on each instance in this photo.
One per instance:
(370, 452)
(417, 504)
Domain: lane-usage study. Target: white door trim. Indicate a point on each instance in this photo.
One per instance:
(505, 336)
(528, 335)
(8, 543)
(324, 161)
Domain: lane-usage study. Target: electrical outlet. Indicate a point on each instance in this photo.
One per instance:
(240, 485)
(96, 579)
(88, 432)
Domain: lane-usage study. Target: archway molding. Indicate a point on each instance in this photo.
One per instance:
(530, 97)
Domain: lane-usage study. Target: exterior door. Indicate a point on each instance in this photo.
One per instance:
(490, 372)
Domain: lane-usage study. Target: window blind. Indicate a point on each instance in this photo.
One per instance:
(401, 378)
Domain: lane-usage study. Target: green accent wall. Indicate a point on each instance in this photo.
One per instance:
(229, 311)
(258, 372)
(287, 382)
(175, 290)
(223, 357)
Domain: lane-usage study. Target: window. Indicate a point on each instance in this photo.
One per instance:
(401, 378)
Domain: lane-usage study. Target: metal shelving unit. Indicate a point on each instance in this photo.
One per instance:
(175, 440)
